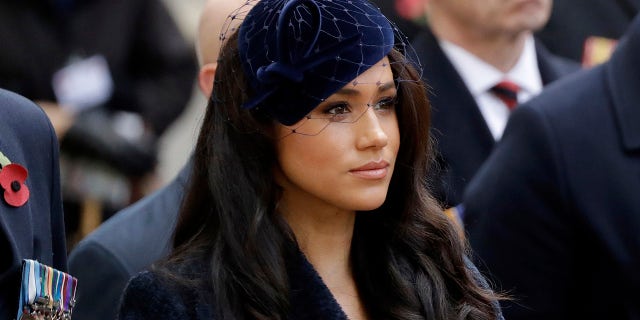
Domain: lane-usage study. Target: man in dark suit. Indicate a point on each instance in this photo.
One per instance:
(31, 218)
(554, 213)
(141, 234)
(469, 47)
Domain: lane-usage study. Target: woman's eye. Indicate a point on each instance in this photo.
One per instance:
(337, 109)
(386, 103)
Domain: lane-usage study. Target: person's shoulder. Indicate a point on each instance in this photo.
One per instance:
(28, 139)
(149, 295)
(163, 294)
(10, 98)
(144, 227)
(18, 111)
(570, 95)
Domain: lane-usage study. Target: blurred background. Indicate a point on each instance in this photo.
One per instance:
(178, 140)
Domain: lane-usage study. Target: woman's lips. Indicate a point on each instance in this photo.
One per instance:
(371, 170)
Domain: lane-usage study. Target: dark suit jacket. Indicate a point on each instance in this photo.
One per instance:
(121, 247)
(34, 230)
(555, 212)
(462, 137)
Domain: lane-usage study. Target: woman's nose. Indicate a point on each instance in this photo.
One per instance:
(371, 132)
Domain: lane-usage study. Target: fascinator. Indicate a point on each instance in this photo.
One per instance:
(296, 53)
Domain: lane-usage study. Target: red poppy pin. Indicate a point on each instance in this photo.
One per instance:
(12, 180)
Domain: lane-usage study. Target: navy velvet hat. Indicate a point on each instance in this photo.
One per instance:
(296, 53)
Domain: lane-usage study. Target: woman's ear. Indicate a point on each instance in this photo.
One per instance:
(205, 78)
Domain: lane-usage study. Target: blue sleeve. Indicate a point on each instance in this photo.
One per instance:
(101, 281)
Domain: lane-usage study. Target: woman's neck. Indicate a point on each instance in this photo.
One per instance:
(324, 236)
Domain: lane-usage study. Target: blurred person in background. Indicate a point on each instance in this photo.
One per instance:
(408, 15)
(140, 235)
(112, 75)
(31, 217)
(480, 60)
(554, 213)
(586, 30)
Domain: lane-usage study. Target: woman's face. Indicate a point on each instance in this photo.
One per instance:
(348, 162)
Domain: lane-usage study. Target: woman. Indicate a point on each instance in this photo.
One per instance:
(306, 199)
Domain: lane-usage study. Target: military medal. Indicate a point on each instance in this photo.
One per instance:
(46, 293)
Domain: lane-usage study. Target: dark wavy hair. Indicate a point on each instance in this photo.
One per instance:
(408, 259)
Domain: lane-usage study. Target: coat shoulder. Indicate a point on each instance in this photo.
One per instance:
(150, 295)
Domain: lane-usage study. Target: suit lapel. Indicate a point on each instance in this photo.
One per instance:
(553, 67)
(462, 136)
(451, 101)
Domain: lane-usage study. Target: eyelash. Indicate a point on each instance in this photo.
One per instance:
(386, 103)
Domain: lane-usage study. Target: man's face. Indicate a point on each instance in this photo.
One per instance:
(498, 16)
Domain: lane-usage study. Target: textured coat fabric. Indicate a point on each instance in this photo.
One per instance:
(554, 214)
(462, 137)
(152, 66)
(34, 230)
(149, 296)
(124, 245)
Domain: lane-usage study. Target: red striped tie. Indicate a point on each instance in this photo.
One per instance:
(507, 91)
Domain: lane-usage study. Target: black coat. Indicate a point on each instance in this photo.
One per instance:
(555, 211)
(150, 296)
(462, 137)
(34, 230)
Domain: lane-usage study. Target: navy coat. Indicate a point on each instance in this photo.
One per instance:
(124, 245)
(150, 296)
(462, 137)
(554, 214)
(34, 230)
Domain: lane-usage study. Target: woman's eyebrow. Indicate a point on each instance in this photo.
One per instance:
(353, 92)
(386, 86)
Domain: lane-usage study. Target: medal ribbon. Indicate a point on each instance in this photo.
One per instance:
(41, 281)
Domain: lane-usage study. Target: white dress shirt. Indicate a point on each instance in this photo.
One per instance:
(480, 77)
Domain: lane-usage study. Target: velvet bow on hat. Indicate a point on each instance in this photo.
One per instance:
(296, 53)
